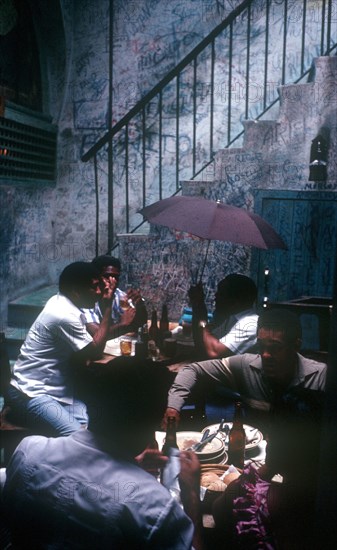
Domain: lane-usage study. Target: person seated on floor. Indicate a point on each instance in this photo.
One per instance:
(41, 393)
(234, 324)
(124, 318)
(258, 378)
(256, 512)
(89, 490)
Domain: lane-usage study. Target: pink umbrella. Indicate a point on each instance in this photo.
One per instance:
(213, 220)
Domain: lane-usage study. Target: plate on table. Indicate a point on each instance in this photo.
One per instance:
(253, 435)
(187, 439)
(213, 450)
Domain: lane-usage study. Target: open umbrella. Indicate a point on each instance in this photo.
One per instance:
(213, 220)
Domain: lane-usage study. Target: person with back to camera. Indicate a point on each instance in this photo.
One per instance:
(234, 324)
(89, 490)
(259, 379)
(41, 391)
(122, 320)
(256, 512)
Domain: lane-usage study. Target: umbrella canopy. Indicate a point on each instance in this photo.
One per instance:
(213, 220)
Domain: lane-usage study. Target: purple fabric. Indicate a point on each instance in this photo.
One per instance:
(251, 512)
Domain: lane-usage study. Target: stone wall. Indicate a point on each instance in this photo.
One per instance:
(46, 227)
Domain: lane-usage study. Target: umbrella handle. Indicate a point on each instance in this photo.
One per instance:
(203, 266)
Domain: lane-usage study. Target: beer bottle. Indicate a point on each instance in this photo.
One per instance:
(237, 439)
(171, 436)
(164, 331)
(164, 322)
(141, 350)
(154, 330)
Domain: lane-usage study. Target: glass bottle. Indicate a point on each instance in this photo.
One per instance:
(164, 322)
(141, 350)
(164, 331)
(237, 438)
(145, 334)
(154, 330)
(171, 436)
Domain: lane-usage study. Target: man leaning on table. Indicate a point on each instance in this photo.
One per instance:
(41, 391)
(259, 379)
(233, 329)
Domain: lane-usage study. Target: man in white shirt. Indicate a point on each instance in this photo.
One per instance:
(234, 324)
(89, 490)
(41, 392)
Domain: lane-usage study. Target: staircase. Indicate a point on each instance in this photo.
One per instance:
(268, 174)
(175, 132)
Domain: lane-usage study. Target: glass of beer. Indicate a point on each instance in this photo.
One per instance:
(126, 345)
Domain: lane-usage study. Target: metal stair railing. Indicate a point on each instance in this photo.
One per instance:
(212, 78)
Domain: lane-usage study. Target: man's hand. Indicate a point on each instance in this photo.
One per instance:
(196, 294)
(108, 287)
(170, 412)
(134, 295)
(189, 476)
(151, 460)
(127, 317)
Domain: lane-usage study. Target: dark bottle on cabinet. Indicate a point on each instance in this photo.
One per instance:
(171, 436)
(237, 439)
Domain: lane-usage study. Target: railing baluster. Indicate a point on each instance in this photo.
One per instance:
(304, 17)
(229, 109)
(177, 129)
(212, 101)
(97, 205)
(144, 151)
(284, 49)
(328, 33)
(266, 57)
(160, 148)
(127, 176)
(194, 146)
(323, 27)
(247, 63)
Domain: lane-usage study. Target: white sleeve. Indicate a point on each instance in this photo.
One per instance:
(242, 335)
(74, 333)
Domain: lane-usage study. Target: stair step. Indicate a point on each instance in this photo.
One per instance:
(23, 311)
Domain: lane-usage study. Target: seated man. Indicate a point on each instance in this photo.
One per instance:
(259, 379)
(88, 491)
(41, 393)
(253, 511)
(234, 318)
(122, 319)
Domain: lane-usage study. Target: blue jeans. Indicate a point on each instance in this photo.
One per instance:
(44, 415)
